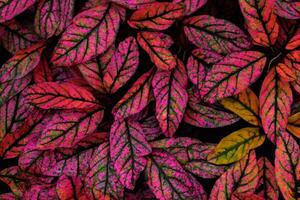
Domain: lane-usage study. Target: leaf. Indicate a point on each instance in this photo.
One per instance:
(261, 22)
(92, 71)
(42, 72)
(122, 65)
(136, 98)
(127, 148)
(21, 64)
(10, 8)
(102, 178)
(15, 36)
(267, 186)
(67, 128)
(235, 146)
(287, 166)
(134, 4)
(287, 9)
(217, 35)
(11, 88)
(293, 124)
(294, 41)
(242, 177)
(52, 17)
(151, 128)
(232, 75)
(53, 95)
(191, 6)
(192, 155)
(207, 116)
(275, 104)
(169, 89)
(245, 105)
(168, 180)
(90, 34)
(13, 114)
(39, 192)
(156, 48)
(158, 16)
(286, 72)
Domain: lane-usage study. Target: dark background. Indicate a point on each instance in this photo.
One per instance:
(225, 9)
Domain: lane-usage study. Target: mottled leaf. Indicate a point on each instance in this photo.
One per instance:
(158, 16)
(191, 6)
(122, 65)
(294, 124)
(288, 9)
(127, 148)
(52, 95)
(232, 75)
(275, 104)
(286, 72)
(287, 166)
(215, 34)
(169, 89)
(245, 105)
(157, 49)
(10, 8)
(134, 4)
(261, 20)
(90, 33)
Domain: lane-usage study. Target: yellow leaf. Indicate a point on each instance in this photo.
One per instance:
(294, 124)
(245, 105)
(236, 145)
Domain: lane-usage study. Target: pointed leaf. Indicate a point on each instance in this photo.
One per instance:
(127, 148)
(235, 146)
(102, 178)
(287, 166)
(242, 177)
(67, 128)
(16, 36)
(169, 89)
(294, 124)
(53, 16)
(215, 34)
(136, 98)
(286, 72)
(202, 115)
(158, 16)
(156, 48)
(167, 179)
(122, 65)
(90, 33)
(261, 20)
(52, 95)
(22, 63)
(10, 8)
(267, 186)
(275, 104)
(233, 74)
(245, 105)
(294, 42)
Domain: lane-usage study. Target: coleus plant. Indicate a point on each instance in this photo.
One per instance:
(96, 97)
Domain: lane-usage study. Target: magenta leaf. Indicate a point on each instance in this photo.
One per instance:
(79, 42)
(169, 89)
(102, 178)
(122, 65)
(128, 147)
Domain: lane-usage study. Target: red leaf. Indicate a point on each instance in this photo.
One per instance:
(42, 72)
(52, 95)
(158, 16)
(157, 49)
(288, 9)
(191, 6)
(261, 20)
(79, 42)
(134, 4)
(169, 89)
(275, 105)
